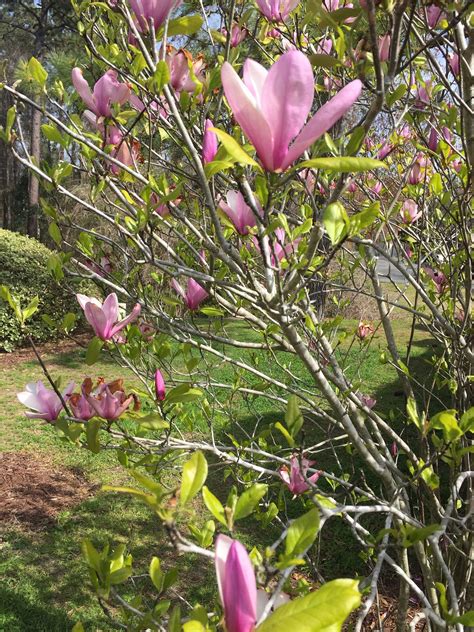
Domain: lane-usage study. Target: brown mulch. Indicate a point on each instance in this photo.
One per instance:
(33, 491)
(26, 354)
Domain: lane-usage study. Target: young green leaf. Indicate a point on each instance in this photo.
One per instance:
(342, 164)
(214, 505)
(249, 500)
(302, 533)
(336, 222)
(324, 610)
(194, 476)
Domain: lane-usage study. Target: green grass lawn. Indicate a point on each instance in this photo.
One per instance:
(45, 583)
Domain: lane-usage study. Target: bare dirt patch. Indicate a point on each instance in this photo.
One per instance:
(33, 491)
(26, 354)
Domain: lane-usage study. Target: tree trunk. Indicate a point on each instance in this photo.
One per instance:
(35, 150)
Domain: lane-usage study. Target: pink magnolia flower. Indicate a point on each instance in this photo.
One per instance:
(109, 400)
(376, 188)
(324, 47)
(104, 317)
(454, 63)
(44, 402)
(237, 34)
(446, 134)
(277, 10)
(385, 150)
(79, 404)
(107, 90)
(194, 295)
(409, 212)
(238, 211)
(394, 449)
(433, 15)
(179, 63)
(156, 10)
(122, 151)
(272, 106)
(154, 107)
(423, 95)
(295, 478)
(160, 388)
(237, 585)
(367, 400)
(405, 132)
(331, 5)
(433, 140)
(274, 34)
(439, 278)
(457, 165)
(352, 187)
(415, 175)
(384, 47)
(209, 143)
(364, 329)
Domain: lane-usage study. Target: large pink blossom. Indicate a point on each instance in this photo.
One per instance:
(272, 106)
(277, 10)
(193, 295)
(295, 478)
(44, 402)
(238, 211)
(156, 10)
(104, 317)
(107, 90)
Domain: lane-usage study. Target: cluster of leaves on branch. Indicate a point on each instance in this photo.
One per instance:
(230, 171)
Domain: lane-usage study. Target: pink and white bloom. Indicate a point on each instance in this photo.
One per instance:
(237, 34)
(79, 404)
(331, 5)
(384, 47)
(324, 47)
(367, 400)
(194, 294)
(385, 150)
(104, 317)
(109, 400)
(454, 63)
(179, 62)
(106, 91)
(433, 15)
(439, 279)
(409, 212)
(272, 106)
(156, 10)
(277, 10)
(295, 478)
(238, 211)
(160, 388)
(433, 140)
(364, 329)
(237, 585)
(44, 402)
(209, 143)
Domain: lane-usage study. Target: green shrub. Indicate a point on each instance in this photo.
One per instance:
(23, 269)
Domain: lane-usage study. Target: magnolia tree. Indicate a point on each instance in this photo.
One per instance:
(231, 176)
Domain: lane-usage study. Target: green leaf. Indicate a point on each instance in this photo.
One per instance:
(293, 417)
(322, 611)
(194, 477)
(92, 434)
(216, 166)
(214, 505)
(156, 573)
(68, 322)
(30, 309)
(302, 533)
(91, 555)
(336, 222)
(411, 534)
(466, 619)
(447, 422)
(78, 627)
(174, 623)
(236, 152)
(183, 393)
(55, 233)
(52, 133)
(249, 500)
(285, 433)
(356, 139)
(324, 61)
(342, 164)
(160, 77)
(412, 412)
(467, 421)
(35, 72)
(364, 219)
(187, 25)
(93, 350)
(152, 421)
